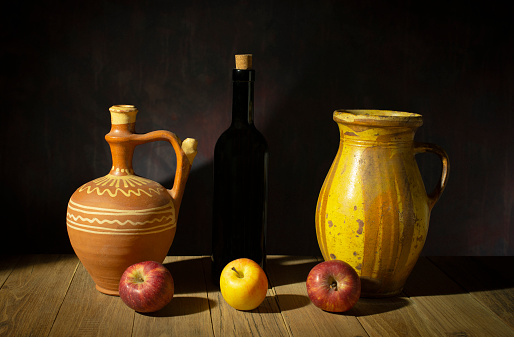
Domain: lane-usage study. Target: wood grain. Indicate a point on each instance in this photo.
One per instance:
(490, 280)
(396, 316)
(453, 311)
(87, 312)
(31, 297)
(7, 264)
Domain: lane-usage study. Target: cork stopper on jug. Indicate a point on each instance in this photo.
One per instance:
(123, 114)
(244, 61)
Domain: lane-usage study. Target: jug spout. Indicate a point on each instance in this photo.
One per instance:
(189, 148)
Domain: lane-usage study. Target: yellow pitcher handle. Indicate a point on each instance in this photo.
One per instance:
(185, 152)
(445, 171)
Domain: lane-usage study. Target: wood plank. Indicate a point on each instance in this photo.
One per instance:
(453, 311)
(32, 295)
(288, 275)
(489, 279)
(87, 312)
(7, 264)
(188, 312)
(396, 316)
(265, 320)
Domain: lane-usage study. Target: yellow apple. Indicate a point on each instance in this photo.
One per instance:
(243, 284)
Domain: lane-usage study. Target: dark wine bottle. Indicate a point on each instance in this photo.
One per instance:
(240, 180)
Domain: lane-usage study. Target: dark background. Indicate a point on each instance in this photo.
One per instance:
(65, 63)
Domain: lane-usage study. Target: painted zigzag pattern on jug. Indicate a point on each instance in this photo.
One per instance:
(114, 221)
(120, 182)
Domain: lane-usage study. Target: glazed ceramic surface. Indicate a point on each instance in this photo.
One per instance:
(373, 211)
(121, 218)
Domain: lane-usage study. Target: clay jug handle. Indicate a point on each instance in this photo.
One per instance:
(185, 152)
(426, 147)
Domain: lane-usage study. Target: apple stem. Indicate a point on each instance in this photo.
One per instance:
(238, 273)
(139, 277)
(333, 285)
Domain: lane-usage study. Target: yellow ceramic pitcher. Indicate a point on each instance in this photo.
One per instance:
(373, 210)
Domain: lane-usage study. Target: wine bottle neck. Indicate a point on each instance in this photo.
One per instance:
(242, 101)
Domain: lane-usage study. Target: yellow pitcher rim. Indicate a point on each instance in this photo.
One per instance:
(378, 117)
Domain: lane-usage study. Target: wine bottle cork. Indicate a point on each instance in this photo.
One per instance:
(244, 61)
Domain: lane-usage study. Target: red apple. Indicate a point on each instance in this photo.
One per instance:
(146, 286)
(333, 286)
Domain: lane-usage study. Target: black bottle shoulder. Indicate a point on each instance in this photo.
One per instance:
(246, 138)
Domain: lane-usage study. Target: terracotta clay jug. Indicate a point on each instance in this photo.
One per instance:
(373, 210)
(121, 218)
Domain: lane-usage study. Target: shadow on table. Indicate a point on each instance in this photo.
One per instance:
(291, 301)
(11, 262)
(373, 306)
(280, 303)
(286, 270)
(183, 306)
(435, 276)
(188, 275)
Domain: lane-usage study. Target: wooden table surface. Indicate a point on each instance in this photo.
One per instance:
(53, 295)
